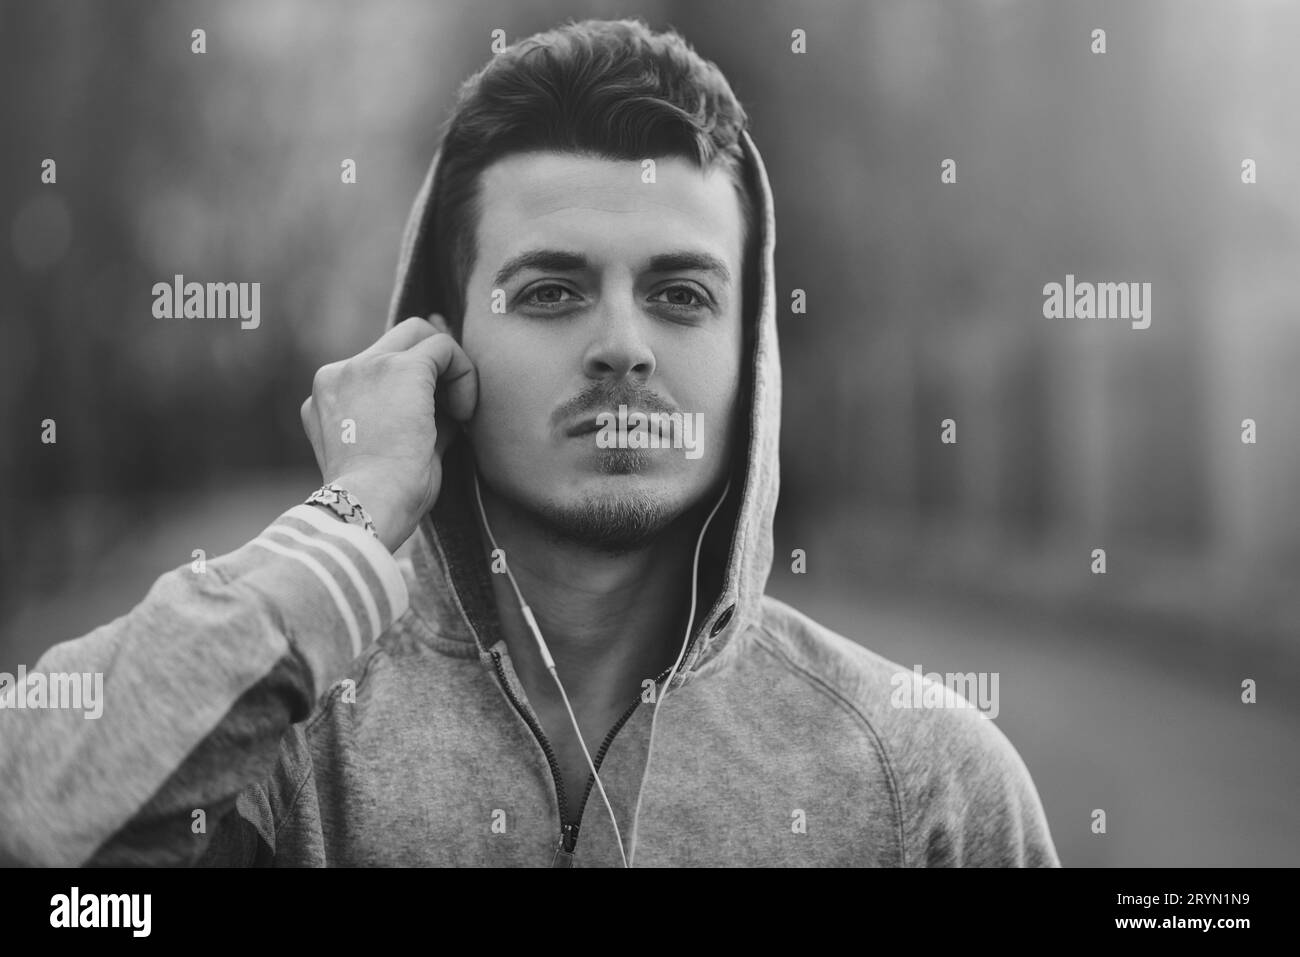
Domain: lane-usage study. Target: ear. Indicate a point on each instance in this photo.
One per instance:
(439, 323)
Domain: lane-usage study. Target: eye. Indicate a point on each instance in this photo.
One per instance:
(531, 298)
(689, 291)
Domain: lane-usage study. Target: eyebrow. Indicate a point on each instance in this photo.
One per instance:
(690, 262)
(556, 260)
(549, 260)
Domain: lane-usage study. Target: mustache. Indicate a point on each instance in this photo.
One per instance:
(603, 397)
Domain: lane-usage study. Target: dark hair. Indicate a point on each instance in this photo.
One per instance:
(608, 88)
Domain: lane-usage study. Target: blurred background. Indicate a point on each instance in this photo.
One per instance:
(1121, 691)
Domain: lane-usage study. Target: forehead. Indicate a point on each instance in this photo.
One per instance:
(604, 208)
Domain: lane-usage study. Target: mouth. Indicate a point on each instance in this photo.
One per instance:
(589, 424)
(583, 427)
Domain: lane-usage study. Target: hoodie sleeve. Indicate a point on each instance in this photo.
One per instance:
(971, 801)
(201, 684)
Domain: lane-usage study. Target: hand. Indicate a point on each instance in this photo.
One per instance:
(376, 427)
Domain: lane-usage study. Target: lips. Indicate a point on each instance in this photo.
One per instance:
(583, 427)
(586, 426)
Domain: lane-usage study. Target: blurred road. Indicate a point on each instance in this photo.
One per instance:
(1151, 731)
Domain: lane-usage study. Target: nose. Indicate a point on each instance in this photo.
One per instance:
(619, 347)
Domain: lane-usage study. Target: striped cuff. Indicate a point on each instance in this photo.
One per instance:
(358, 572)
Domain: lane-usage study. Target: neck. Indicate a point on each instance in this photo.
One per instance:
(610, 621)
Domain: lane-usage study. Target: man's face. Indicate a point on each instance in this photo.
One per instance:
(621, 307)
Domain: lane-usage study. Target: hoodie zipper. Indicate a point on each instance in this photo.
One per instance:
(541, 739)
(569, 832)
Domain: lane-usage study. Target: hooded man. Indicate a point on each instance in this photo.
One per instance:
(593, 243)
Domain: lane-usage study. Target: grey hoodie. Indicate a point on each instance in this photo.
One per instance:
(308, 699)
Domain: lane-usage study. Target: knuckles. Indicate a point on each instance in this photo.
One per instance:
(411, 321)
(324, 378)
(337, 379)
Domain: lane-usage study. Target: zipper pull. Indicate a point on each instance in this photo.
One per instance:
(568, 841)
(562, 857)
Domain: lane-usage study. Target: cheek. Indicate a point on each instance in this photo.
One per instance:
(511, 401)
(707, 380)
(726, 387)
(727, 424)
(487, 362)
(714, 374)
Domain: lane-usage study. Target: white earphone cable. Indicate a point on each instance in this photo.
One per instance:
(550, 666)
(628, 859)
(654, 717)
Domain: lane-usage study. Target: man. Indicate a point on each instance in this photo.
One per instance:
(593, 243)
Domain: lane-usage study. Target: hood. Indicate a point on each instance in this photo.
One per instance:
(736, 557)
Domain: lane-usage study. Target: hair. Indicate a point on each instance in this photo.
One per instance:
(608, 88)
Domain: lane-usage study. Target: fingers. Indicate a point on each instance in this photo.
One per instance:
(456, 376)
(308, 416)
(445, 433)
(402, 336)
(439, 323)
(312, 428)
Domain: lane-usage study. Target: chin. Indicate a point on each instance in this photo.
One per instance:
(616, 501)
(614, 512)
